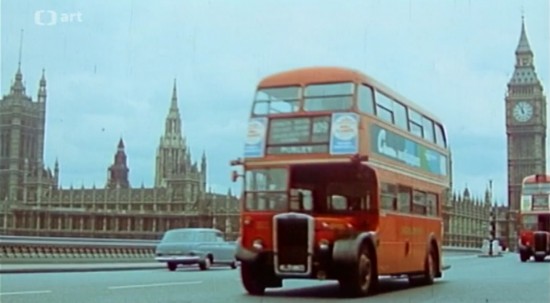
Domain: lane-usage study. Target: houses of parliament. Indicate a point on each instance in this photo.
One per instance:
(33, 203)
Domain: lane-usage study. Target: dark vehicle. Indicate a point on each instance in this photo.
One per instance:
(202, 246)
(534, 235)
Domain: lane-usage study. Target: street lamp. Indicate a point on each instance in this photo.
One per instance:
(493, 229)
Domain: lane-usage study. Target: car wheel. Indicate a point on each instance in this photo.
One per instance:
(233, 265)
(205, 264)
(172, 266)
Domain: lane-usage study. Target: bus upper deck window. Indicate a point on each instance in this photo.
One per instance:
(328, 97)
(277, 100)
(365, 99)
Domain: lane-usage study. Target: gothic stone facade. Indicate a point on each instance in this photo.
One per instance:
(34, 204)
(467, 220)
(22, 124)
(140, 213)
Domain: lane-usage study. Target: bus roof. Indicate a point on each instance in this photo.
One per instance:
(308, 75)
(327, 74)
(538, 178)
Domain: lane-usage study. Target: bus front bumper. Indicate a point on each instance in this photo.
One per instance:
(245, 254)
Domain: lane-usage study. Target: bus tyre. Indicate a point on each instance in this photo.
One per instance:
(361, 279)
(205, 264)
(539, 258)
(428, 277)
(252, 279)
(523, 256)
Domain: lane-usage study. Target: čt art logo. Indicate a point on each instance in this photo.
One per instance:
(51, 17)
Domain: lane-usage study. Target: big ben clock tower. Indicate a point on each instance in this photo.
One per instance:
(525, 128)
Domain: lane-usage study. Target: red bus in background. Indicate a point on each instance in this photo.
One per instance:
(534, 234)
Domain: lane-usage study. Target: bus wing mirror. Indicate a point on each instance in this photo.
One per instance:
(234, 176)
(236, 162)
(357, 159)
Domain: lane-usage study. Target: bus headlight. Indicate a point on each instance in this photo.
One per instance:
(257, 244)
(323, 244)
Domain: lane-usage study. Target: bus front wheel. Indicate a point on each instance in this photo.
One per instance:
(524, 256)
(362, 278)
(539, 258)
(252, 279)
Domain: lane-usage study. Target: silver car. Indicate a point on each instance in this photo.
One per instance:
(188, 246)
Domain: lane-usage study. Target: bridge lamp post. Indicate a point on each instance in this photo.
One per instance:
(492, 229)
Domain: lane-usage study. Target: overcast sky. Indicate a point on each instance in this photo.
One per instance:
(110, 67)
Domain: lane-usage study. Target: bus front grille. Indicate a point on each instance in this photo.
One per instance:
(540, 239)
(293, 243)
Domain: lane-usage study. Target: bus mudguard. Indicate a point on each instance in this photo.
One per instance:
(346, 250)
(244, 254)
(432, 239)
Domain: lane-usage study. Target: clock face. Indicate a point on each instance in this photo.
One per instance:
(523, 111)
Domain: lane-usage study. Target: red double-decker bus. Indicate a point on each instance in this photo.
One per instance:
(534, 234)
(344, 179)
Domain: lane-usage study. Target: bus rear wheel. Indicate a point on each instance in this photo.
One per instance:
(252, 279)
(539, 258)
(428, 277)
(430, 269)
(362, 277)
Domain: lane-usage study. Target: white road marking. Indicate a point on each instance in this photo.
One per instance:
(29, 292)
(154, 285)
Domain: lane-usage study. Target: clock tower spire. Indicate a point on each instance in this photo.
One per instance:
(525, 127)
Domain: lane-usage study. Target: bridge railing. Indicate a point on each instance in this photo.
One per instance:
(26, 249)
(23, 249)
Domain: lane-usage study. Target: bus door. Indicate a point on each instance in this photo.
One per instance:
(544, 222)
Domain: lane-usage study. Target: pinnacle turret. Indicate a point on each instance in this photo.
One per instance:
(466, 193)
(118, 171)
(523, 44)
(203, 162)
(42, 88)
(174, 103)
(173, 120)
(524, 71)
(17, 87)
(120, 146)
(171, 153)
